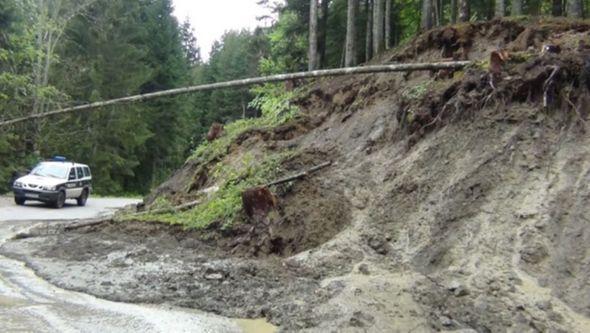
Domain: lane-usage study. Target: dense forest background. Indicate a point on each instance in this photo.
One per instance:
(57, 53)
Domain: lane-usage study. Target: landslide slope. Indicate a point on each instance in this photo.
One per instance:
(455, 201)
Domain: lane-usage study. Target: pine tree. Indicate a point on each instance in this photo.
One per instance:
(557, 8)
(574, 9)
(516, 8)
(500, 9)
(426, 15)
(351, 38)
(189, 44)
(464, 11)
(313, 35)
(387, 24)
(369, 30)
(378, 18)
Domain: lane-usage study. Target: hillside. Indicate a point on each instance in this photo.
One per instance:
(455, 200)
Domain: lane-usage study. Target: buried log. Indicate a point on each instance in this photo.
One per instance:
(248, 82)
(179, 208)
(300, 174)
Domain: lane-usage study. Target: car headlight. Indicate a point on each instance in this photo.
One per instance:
(48, 188)
(18, 184)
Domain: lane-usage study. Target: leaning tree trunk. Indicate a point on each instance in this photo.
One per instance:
(378, 17)
(557, 8)
(313, 35)
(426, 19)
(500, 8)
(387, 24)
(249, 82)
(516, 8)
(369, 31)
(464, 13)
(574, 8)
(350, 57)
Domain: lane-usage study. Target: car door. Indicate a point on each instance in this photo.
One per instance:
(81, 181)
(72, 184)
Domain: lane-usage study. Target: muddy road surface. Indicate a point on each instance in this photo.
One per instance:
(36, 211)
(29, 303)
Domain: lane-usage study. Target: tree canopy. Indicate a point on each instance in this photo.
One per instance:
(57, 53)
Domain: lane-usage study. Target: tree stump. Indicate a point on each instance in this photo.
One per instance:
(258, 202)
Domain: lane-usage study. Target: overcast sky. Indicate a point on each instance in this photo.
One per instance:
(211, 18)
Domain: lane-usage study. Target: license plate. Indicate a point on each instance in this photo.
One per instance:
(32, 195)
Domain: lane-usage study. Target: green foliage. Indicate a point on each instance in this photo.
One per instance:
(275, 105)
(17, 88)
(288, 45)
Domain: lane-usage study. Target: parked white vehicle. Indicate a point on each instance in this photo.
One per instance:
(54, 182)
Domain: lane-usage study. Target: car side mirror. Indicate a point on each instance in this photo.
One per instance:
(71, 177)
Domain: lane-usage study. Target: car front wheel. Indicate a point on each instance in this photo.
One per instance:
(19, 201)
(82, 198)
(61, 200)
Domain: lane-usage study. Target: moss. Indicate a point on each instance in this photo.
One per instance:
(162, 203)
(418, 91)
(520, 57)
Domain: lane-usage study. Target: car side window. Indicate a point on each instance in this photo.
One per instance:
(86, 172)
(80, 172)
(72, 175)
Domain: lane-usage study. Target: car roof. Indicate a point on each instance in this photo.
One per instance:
(66, 162)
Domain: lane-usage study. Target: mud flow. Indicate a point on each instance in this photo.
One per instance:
(455, 201)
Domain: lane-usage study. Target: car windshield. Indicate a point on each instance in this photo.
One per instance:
(51, 170)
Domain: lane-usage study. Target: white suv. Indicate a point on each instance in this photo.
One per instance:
(53, 182)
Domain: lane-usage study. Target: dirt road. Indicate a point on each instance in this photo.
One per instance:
(28, 303)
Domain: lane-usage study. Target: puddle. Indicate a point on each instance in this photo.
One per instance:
(256, 326)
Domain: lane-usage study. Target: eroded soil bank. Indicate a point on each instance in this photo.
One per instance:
(455, 201)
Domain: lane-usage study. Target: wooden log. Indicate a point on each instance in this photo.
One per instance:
(90, 223)
(248, 82)
(179, 208)
(300, 175)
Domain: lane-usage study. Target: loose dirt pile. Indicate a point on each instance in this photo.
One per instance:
(455, 201)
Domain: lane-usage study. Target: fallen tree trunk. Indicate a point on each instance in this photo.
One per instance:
(248, 82)
(179, 208)
(52, 229)
(300, 175)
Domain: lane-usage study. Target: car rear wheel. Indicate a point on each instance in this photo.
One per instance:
(19, 201)
(61, 200)
(83, 198)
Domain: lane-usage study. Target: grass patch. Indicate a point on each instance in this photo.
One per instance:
(225, 205)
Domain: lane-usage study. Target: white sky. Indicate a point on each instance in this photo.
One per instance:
(211, 18)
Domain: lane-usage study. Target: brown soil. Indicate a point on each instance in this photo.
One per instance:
(456, 201)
